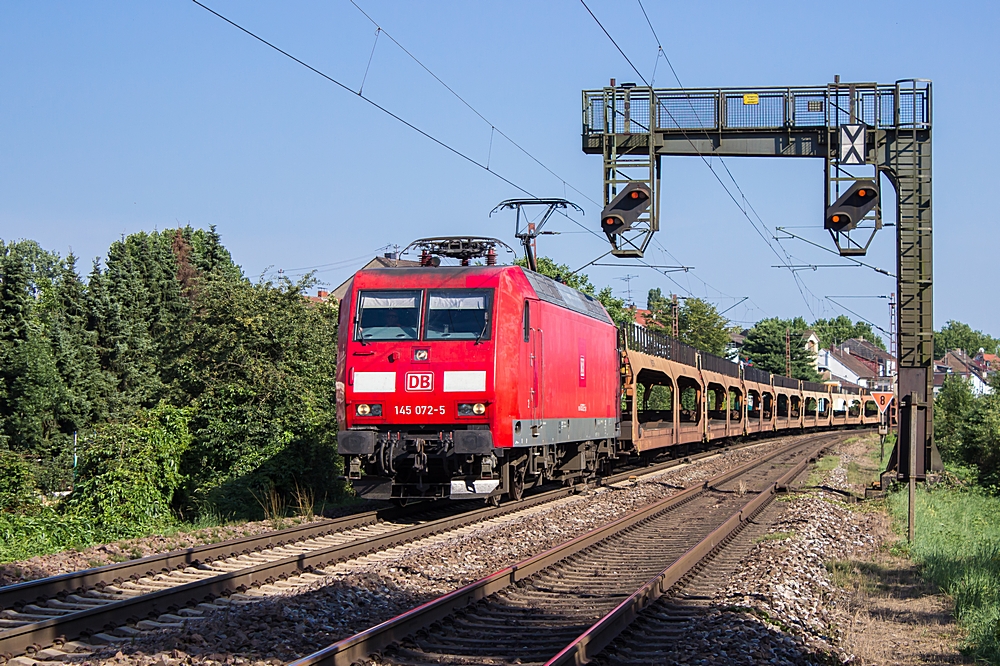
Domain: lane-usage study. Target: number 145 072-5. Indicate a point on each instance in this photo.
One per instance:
(420, 410)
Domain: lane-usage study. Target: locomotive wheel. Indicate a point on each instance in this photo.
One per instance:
(517, 481)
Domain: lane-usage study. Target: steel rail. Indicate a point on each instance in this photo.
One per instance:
(590, 643)
(21, 594)
(359, 646)
(34, 636)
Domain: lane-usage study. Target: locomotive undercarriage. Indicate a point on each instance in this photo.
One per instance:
(435, 464)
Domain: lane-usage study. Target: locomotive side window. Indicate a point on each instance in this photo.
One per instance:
(388, 315)
(458, 314)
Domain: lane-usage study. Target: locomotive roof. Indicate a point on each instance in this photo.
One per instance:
(545, 288)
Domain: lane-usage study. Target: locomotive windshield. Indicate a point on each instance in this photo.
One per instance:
(388, 315)
(458, 314)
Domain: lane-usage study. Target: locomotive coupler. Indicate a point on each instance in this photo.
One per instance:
(420, 457)
(354, 472)
(487, 465)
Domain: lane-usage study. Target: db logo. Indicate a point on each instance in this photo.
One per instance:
(420, 381)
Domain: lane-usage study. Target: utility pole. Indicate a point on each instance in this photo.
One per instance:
(675, 312)
(788, 352)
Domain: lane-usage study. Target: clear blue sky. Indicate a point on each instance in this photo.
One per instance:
(117, 117)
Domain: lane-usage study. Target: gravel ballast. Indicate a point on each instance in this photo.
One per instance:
(297, 617)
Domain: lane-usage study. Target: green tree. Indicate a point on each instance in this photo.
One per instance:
(835, 331)
(660, 317)
(699, 323)
(17, 483)
(765, 348)
(30, 385)
(701, 326)
(260, 374)
(951, 411)
(956, 335)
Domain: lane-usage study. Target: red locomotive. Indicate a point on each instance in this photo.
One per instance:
(476, 381)
(465, 381)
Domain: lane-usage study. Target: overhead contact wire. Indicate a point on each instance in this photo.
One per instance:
(787, 261)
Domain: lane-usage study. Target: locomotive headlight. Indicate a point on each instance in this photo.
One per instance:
(469, 409)
(479, 409)
(369, 410)
(420, 354)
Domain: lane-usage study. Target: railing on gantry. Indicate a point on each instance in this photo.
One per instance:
(706, 110)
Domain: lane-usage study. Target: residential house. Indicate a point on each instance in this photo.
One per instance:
(989, 362)
(845, 369)
(958, 363)
(881, 362)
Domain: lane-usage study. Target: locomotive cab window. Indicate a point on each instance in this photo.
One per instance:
(458, 314)
(388, 315)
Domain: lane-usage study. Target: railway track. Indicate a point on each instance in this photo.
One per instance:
(565, 605)
(112, 602)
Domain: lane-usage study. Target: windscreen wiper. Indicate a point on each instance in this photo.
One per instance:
(486, 325)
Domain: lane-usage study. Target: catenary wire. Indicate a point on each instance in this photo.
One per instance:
(470, 107)
(402, 120)
(798, 283)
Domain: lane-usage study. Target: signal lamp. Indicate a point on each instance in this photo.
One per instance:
(369, 410)
(479, 409)
(625, 209)
(852, 206)
(420, 354)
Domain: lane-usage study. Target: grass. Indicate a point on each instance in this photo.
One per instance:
(957, 545)
(823, 465)
(775, 536)
(45, 530)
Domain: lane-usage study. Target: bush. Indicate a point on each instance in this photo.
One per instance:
(967, 429)
(44, 531)
(130, 470)
(17, 484)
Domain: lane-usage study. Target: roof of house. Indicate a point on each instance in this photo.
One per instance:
(640, 316)
(853, 364)
(962, 364)
(865, 349)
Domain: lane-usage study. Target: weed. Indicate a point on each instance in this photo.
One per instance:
(273, 505)
(819, 470)
(305, 501)
(775, 536)
(957, 545)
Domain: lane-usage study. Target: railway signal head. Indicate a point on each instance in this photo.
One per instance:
(625, 209)
(852, 206)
